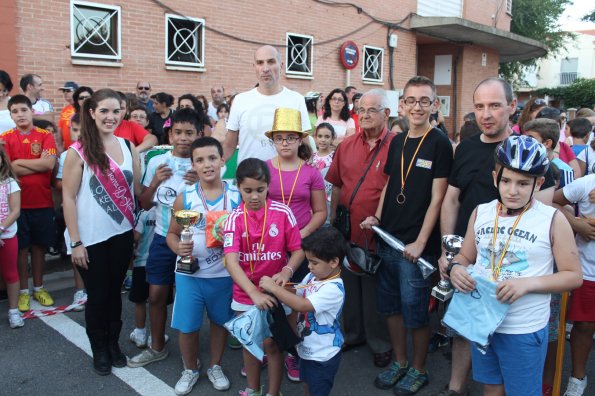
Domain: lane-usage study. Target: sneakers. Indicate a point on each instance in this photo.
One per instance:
(293, 370)
(15, 320)
(218, 378)
(576, 387)
(43, 297)
(251, 392)
(449, 392)
(147, 356)
(139, 338)
(411, 383)
(150, 340)
(233, 342)
(24, 302)
(186, 382)
(389, 378)
(79, 300)
(437, 341)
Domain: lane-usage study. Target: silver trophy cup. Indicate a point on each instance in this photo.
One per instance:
(452, 244)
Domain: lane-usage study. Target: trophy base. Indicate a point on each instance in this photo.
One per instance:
(187, 266)
(441, 294)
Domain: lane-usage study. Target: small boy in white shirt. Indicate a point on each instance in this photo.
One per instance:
(319, 300)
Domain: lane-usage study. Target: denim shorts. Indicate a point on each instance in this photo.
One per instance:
(319, 376)
(401, 288)
(194, 295)
(515, 360)
(161, 263)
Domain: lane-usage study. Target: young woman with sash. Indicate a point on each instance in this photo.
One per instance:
(298, 185)
(101, 174)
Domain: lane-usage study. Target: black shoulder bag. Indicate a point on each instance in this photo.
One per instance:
(343, 218)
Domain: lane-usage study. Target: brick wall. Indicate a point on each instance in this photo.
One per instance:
(482, 12)
(44, 40)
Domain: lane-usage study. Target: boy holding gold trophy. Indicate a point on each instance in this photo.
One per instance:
(199, 209)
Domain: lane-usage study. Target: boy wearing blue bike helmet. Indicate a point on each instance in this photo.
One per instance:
(514, 241)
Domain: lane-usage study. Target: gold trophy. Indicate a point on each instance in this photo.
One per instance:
(187, 218)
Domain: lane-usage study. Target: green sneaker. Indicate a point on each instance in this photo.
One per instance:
(411, 383)
(388, 378)
(251, 392)
(233, 342)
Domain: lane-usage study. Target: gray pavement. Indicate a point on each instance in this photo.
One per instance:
(39, 360)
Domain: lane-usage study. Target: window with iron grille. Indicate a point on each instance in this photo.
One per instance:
(184, 41)
(372, 65)
(95, 30)
(509, 7)
(298, 54)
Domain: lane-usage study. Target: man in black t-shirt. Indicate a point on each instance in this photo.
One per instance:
(418, 165)
(470, 184)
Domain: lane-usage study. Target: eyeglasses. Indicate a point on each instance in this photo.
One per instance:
(372, 111)
(143, 88)
(337, 100)
(423, 102)
(289, 139)
(83, 97)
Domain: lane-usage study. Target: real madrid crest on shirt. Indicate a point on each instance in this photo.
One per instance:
(273, 231)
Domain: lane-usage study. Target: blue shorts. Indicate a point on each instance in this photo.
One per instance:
(193, 295)
(401, 288)
(319, 376)
(515, 360)
(36, 227)
(161, 263)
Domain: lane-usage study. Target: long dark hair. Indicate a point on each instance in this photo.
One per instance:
(198, 107)
(5, 169)
(76, 94)
(253, 168)
(305, 151)
(344, 115)
(90, 139)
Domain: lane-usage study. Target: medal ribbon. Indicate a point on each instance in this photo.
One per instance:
(404, 178)
(294, 181)
(258, 251)
(496, 270)
(204, 200)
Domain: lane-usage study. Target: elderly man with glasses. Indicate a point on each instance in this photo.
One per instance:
(359, 165)
(143, 93)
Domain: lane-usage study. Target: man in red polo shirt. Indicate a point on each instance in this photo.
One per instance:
(32, 152)
(361, 321)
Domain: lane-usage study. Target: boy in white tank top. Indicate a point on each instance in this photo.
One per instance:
(513, 241)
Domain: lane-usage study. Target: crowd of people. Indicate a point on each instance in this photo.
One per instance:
(308, 179)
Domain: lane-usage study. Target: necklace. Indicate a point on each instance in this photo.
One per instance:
(259, 248)
(204, 199)
(316, 282)
(401, 196)
(496, 268)
(294, 181)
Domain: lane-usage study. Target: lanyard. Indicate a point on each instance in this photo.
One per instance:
(401, 196)
(204, 200)
(294, 181)
(496, 269)
(264, 225)
(313, 282)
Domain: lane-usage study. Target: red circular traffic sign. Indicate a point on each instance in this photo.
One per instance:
(349, 55)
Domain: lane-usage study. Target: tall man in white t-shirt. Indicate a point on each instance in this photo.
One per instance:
(253, 111)
(32, 86)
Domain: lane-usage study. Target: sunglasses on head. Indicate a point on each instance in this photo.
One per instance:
(144, 88)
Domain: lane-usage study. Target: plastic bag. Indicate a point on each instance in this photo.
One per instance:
(251, 329)
(476, 315)
(215, 222)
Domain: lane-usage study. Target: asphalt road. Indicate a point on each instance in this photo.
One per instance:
(43, 358)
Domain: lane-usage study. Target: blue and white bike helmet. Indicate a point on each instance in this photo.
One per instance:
(523, 154)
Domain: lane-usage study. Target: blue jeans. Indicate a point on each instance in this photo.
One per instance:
(401, 289)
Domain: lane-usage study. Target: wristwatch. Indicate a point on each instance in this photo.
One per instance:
(75, 244)
(450, 266)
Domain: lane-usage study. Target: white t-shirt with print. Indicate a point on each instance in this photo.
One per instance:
(252, 115)
(42, 106)
(578, 192)
(7, 187)
(588, 157)
(168, 190)
(321, 329)
(145, 225)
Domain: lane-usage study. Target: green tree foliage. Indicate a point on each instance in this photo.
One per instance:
(539, 21)
(590, 17)
(581, 93)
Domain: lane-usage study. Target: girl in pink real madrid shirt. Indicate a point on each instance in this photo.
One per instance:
(262, 238)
